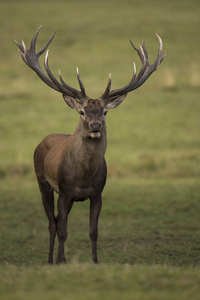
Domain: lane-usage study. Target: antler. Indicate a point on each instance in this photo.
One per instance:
(136, 81)
(31, 58)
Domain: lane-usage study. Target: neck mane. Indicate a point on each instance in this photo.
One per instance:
(86, 153)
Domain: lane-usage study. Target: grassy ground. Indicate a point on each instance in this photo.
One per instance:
(149, 241)
(104, 281)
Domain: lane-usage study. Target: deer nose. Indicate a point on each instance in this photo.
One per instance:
(95, 125)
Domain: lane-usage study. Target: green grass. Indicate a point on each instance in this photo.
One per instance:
(97, 282)
(149, 233)
(151, 222)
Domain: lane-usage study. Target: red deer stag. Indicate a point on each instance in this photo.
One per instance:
(73, 166)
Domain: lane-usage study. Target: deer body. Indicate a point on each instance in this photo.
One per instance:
(74, 166)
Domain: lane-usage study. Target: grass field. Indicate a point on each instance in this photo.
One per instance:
(149, 228)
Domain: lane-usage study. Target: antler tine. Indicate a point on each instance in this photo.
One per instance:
(160, 57)
(19, 46)
(24, 47)
(34, 39)
(145, 50)
(81, 84)
(107, 90)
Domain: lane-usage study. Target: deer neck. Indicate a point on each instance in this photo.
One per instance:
(85, 152)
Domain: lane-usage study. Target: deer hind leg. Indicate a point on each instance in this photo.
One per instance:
(64, 207)
(95, 208)
(48, 203)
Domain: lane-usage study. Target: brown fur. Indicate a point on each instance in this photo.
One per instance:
(75, 168)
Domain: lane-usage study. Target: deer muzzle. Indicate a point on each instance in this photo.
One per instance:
(95, 128)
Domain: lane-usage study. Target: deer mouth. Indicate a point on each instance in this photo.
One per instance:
(95, 134)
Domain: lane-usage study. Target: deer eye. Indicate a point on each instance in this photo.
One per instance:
(82, 113)
(105, 113)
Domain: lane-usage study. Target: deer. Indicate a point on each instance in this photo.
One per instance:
(73, 166)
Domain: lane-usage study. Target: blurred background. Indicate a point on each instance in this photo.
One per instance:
(153, 149)
(155, 132)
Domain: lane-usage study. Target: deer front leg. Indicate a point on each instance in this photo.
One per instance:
(95, 208)
(64, 208)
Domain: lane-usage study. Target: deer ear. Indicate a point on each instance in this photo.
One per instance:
(114, 103)
(72, 102)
